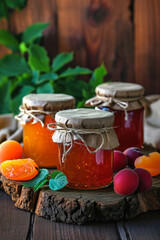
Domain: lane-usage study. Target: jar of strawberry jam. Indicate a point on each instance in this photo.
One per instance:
(126, 101)
(37, 111)
(86, 141)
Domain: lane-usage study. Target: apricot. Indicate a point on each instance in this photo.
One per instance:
(150, 163)
(125, 182)
(131, 154)
(9, 150)
(145, 179)
(20, 169)
(119, 161)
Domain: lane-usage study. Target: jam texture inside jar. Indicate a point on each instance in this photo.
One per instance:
(37, 111)
(86, 141)
(126, 101)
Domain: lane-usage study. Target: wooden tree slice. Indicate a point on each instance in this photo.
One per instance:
(75, 206)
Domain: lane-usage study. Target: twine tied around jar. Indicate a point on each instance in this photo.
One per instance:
(27, 115)
(77, 132)
(123, 103)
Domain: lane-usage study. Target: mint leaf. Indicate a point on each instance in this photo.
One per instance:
(40, 184)
(8, 40)
(34, 31)
(42, 175)
(58, 180)
(5, 95)
(60, 60)
(97, 76)
(13, 65)
(45, 88)
(38, 59)
(17, 101)
(18, 4)
(75, 71)
(48, 76)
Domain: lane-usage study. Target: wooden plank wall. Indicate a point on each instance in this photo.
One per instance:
(125, 35)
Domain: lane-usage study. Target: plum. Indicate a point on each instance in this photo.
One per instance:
(125, 182)
(145, 179)
(131, 154)
(119, 161)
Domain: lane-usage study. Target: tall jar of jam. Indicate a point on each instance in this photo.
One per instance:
(37, 111)
(126, 101)
(86, 141)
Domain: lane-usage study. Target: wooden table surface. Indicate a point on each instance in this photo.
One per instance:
(17, 224)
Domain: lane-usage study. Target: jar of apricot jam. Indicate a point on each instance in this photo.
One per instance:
(86, 141)
(37, 111)
(126, 101)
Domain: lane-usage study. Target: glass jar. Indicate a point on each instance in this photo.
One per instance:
(126, 101)
(86, 147)
(37, 112)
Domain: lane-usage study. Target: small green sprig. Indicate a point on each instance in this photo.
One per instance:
(57, 180)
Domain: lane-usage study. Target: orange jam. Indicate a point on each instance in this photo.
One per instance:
(129, 131)
(38, 144)
(85, 170)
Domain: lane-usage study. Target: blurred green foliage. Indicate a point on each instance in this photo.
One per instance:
(7, 5)
(29, 70)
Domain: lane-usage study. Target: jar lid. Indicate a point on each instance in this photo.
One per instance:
(48, 102)
(92, 127)
(84, 118)
(120, 90)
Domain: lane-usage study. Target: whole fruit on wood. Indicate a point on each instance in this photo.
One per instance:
(125, 182)
(10, 150)
(145, 179)
(119, 160)
(131, 154)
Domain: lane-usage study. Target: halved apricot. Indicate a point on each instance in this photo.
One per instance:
(20, 169)
(150, 163)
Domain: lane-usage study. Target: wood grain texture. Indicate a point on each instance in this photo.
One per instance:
(14, 224)
(61, 231)
(97, 31)
(145, 227)
(147, 44)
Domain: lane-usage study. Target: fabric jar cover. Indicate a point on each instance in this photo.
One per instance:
(92, 127)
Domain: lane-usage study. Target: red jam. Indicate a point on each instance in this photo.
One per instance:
(38, 144)
(129, 132)
(85, 170)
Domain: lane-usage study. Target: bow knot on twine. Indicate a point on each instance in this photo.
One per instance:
(72, 133)
(26, 115)
(95, 101)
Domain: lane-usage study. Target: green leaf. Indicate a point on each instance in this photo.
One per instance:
(60, 60)
(23, 48)
(97, 76)
(13, 65)
(35, 75)
(17, 101)
(18, 4)
(45, 88)
(40, 184)
(38, 59)
(75, 71)
(48, 76)
(3, 9)
(58, 180)
(34, 31)
(43, 174)
(5, 95)
(8, 40)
